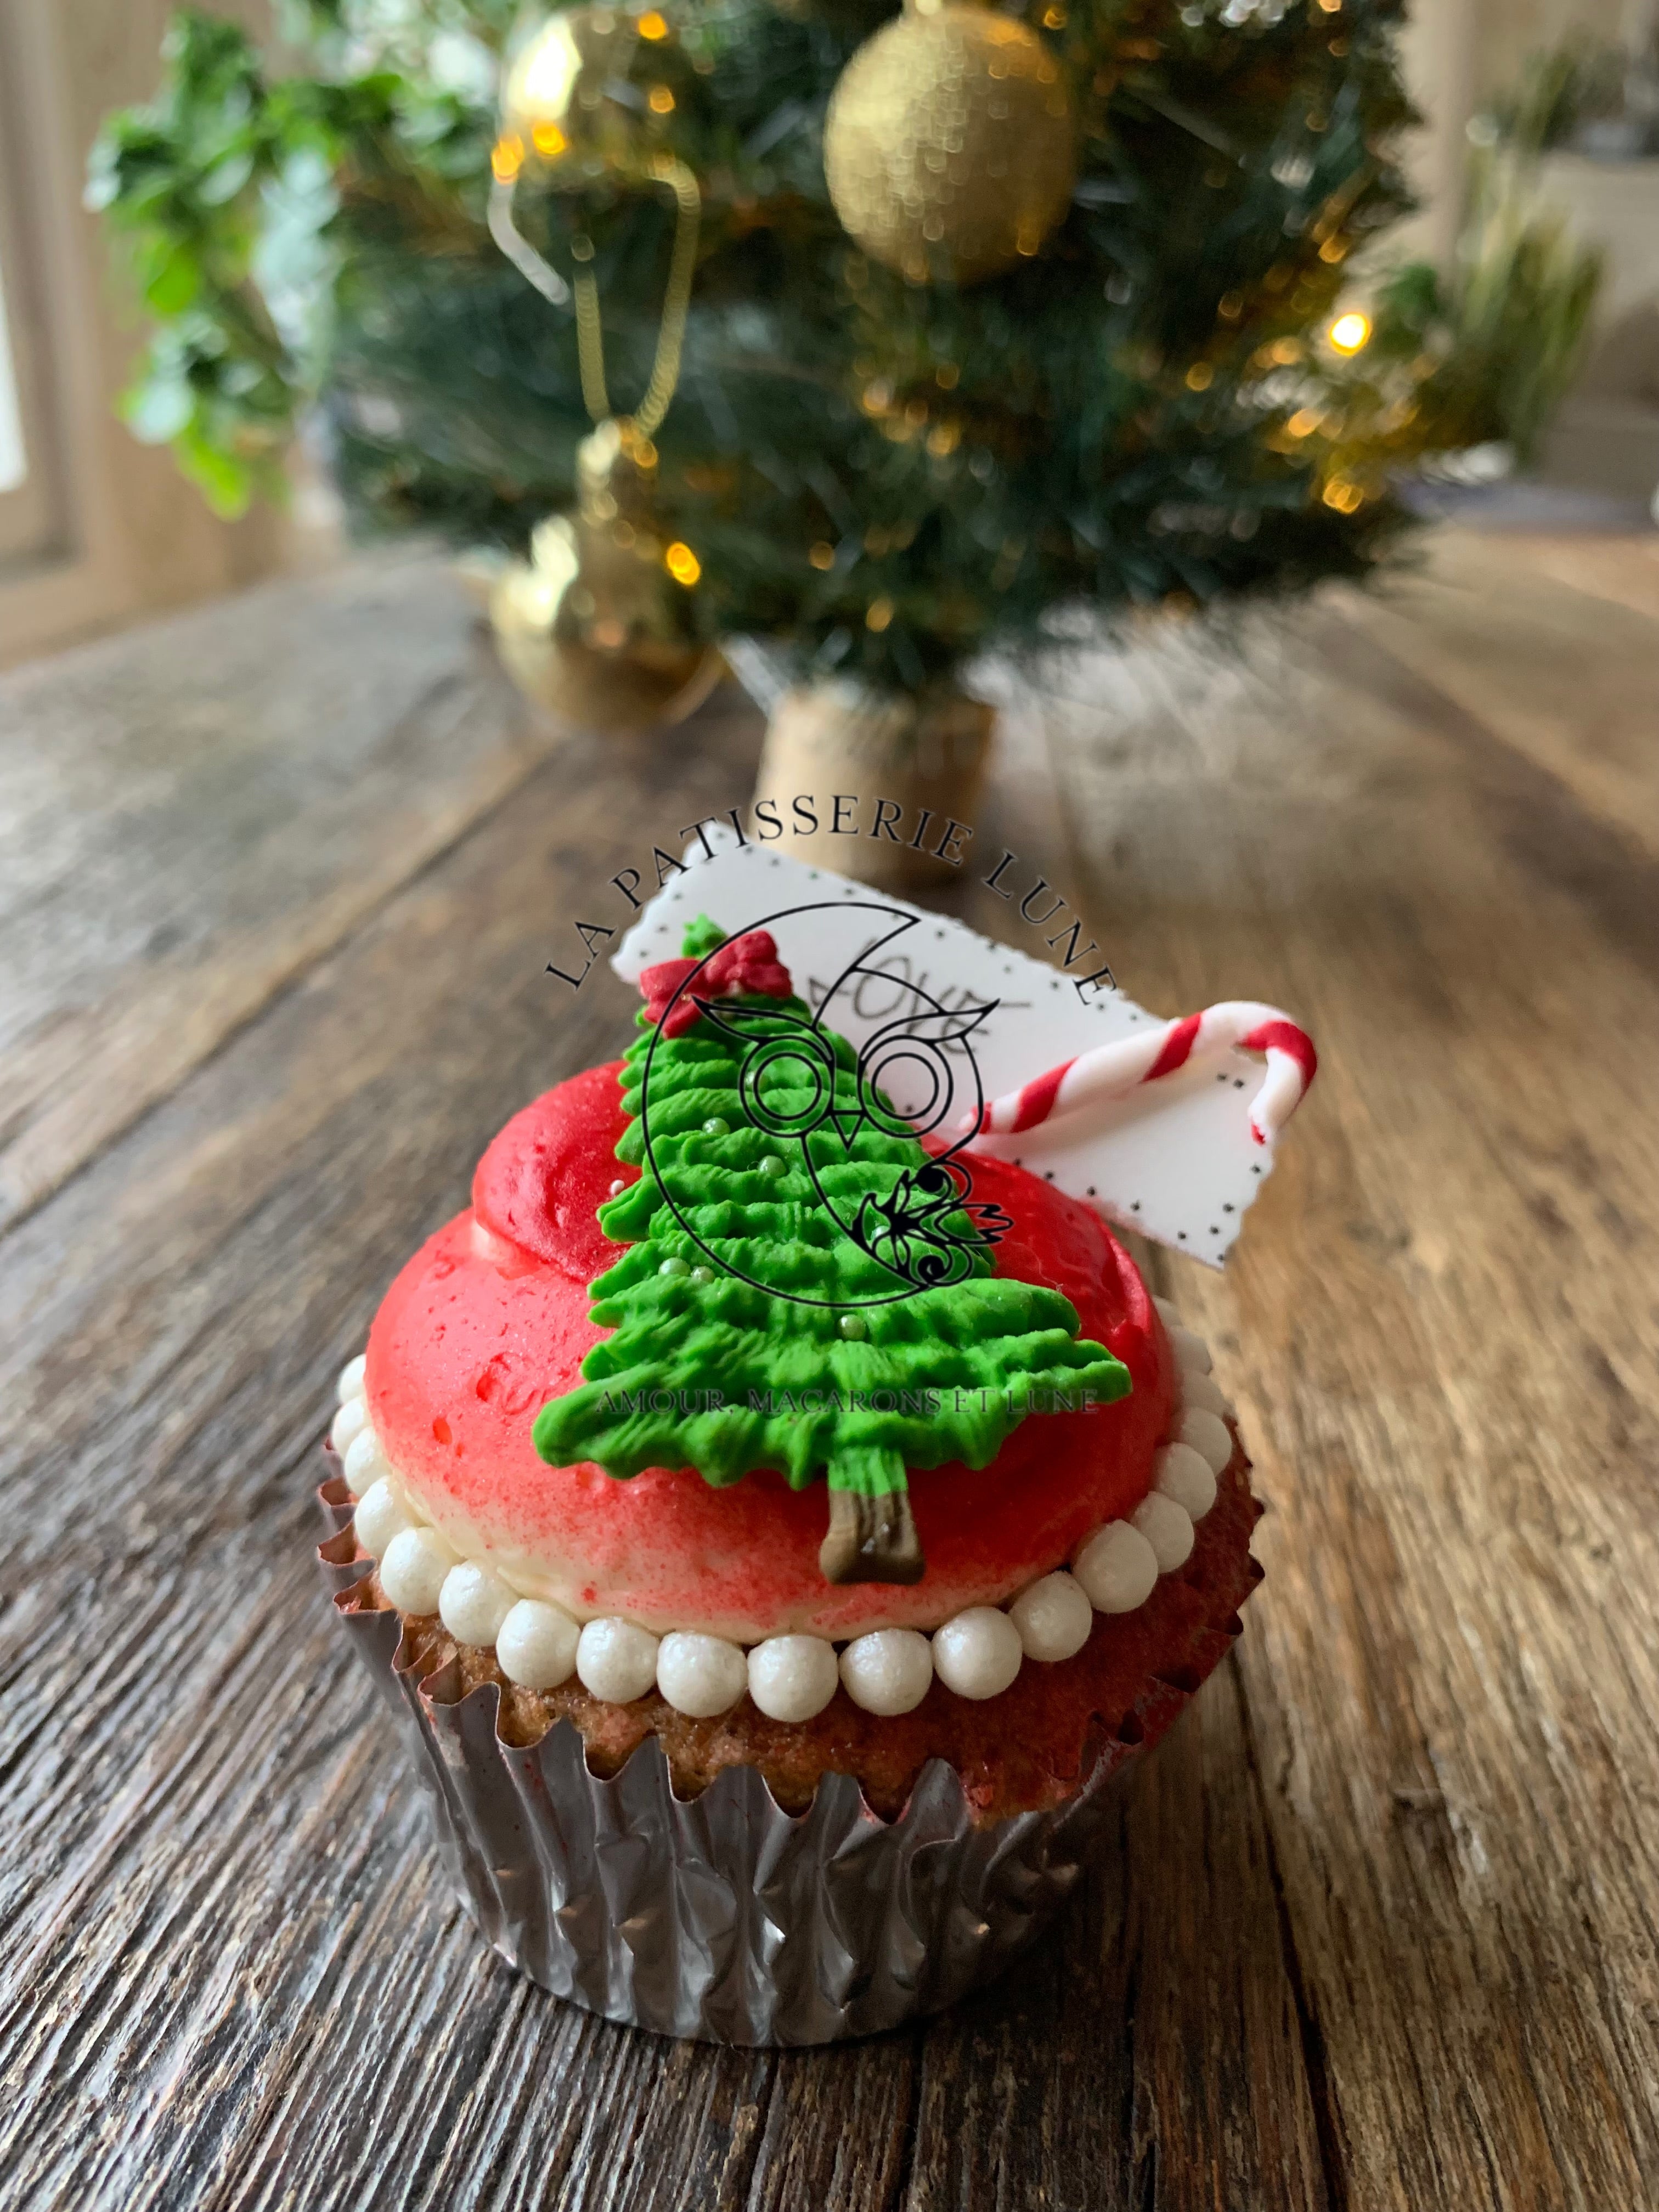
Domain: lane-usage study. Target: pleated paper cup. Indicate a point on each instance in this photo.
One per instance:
(722, 1917)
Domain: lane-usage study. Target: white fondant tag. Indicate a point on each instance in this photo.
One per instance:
(1174, 1159)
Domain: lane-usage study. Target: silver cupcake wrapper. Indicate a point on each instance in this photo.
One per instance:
(723, 1917)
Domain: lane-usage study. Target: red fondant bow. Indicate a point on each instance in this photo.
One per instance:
(746, 965)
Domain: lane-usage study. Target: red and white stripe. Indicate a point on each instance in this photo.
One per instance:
(1114, 1070)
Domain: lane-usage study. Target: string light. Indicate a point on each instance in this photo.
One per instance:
(822, 555)
(507, 158)
(662, 100)
(682, 564)
(653, 25)
(1350, 332)
(880, 613)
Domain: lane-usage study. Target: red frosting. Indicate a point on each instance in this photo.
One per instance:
(489, 1319)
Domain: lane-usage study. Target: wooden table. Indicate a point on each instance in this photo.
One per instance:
(1381, 1925)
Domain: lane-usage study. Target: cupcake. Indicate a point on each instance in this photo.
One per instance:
(777, 1529)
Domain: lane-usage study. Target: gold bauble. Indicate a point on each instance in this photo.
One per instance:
(567, 96)
(951, 142)
(593, 627)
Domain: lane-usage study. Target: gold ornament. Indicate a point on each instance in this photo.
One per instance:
(595, 626)
(951, 142)
(572, 110)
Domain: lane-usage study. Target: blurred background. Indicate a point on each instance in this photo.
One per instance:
(1534, 166)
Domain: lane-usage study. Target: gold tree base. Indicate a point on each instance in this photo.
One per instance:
(925, 751)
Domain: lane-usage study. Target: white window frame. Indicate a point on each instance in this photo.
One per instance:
(113, 533)
(61, 567)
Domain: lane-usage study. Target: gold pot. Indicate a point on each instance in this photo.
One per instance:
(924, 752)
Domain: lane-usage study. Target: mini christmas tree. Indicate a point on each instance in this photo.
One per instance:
(892, 446)
(805, 1287)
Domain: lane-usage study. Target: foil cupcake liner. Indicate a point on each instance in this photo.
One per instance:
(723, 1918)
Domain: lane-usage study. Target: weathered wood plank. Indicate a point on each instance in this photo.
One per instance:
(1442, 1335)
(1550, 663)
(187, 837)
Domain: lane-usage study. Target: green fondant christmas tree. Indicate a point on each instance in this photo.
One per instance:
(804, 1288)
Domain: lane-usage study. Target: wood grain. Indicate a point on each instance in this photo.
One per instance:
(1377, 1926)
(1445, 1345)
(1551, 645)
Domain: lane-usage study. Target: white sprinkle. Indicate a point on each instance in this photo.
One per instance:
(350, 1421)
(351, 1383)
(536, 1645)
(1167, 1528)
(616, 1661)
(1191, 1351)
(1209, 1435)
(1053, 1618)
(1202, 1391)
(1117, 1567)
(382, 1513)
(1182, 1473)
(793, 1678)
(473, 1603)
(979, 1653)
(887, 1672)
(364, 1463)
(413, 1569)
(1167, 1314)
(702, 1675)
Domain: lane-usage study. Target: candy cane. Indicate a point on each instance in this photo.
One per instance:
(1112, 1071)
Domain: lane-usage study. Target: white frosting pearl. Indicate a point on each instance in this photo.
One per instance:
(351, 1383)
(1167, 1528)
(1117, 1568)
(382, 1513)
(1182, 1473)
(1053, 1618)
(616, 1661)
(473, 1603)
(1191, 1351)
(364, 1463)
(793, 1678)
(887, 1672)
(1208, 1435)
(1167, 1314)
(413, 1569)
(979, 1653)
(536, 1645)
(702, 1675)
(1202, 1391)
(348, 1424)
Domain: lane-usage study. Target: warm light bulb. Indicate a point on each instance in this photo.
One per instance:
(1349, 332)
(542, 79)
(653, 25)
(682, 564)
